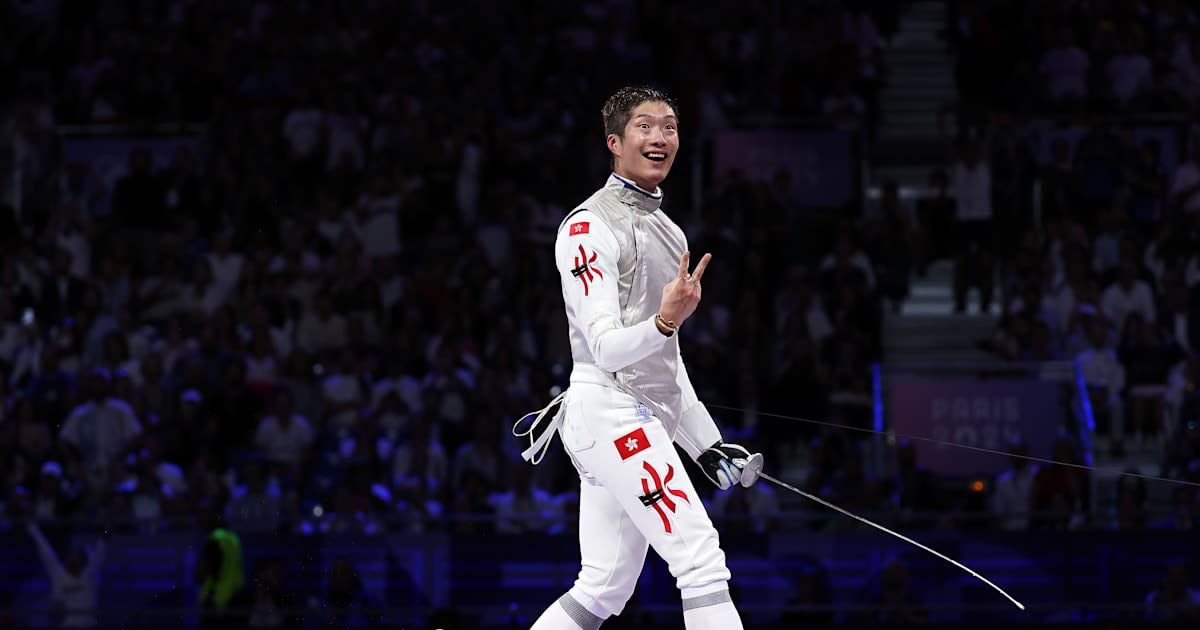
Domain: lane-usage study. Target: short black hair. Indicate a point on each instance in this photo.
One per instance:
(619, 107)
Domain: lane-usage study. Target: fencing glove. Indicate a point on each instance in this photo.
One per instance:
(728, 464)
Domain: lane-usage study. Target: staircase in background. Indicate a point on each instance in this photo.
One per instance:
(920, 75)
(920, 87)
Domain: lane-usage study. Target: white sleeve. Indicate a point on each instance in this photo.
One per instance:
(697, 430)
(586, 253)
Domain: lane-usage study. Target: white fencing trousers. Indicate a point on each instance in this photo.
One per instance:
(634, 494)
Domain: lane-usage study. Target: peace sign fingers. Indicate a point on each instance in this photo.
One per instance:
(700, 267)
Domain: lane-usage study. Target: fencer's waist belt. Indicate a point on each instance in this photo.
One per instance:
(590, 374)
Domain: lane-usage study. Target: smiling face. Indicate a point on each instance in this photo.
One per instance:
(643, 135)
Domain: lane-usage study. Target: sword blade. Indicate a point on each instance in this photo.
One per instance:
(810, 497)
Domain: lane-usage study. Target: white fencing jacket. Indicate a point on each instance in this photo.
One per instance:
(614, 255)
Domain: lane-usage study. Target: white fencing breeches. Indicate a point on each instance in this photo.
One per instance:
(634, 494)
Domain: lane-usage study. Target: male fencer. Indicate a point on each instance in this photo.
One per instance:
(624, 267)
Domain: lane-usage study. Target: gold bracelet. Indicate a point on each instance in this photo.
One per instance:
(667, 323)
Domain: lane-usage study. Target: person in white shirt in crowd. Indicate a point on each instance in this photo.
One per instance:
(203, 295)
(1012, 493)
(1065, 69)
(1130, 73)
(1128, 294)
(419, 461)
(1106, 247)
(74, 583)
(347, 129)
(99, 430)
(73, 237)
(971, 186)
(1105, 379)
(262, 366)
(321, 329)
(224, 263)
(343, 393)
(846, 253)
(285, 437)
(525, 508)
(304, 128)
(419, 469)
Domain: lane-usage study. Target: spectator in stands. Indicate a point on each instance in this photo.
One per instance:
(1147, 359)
(54, 496)
(1130, 503)
(1060, 495)
(343, 393)
(219, 573)
(419, 463)
(1130, 74)
(971, 184)
(100, 430)
(525, 507)
(1013, 491)
(1105, 380)
(915, 490)
(1065, 69)
(285, 437)
(74, 584)
(1174, 600)
(1126, 295)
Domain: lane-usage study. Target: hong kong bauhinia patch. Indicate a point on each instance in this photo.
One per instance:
(631, 443)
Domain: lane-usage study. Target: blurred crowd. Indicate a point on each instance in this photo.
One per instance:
(322, 309)
(1073, 207)
(1072, 56)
